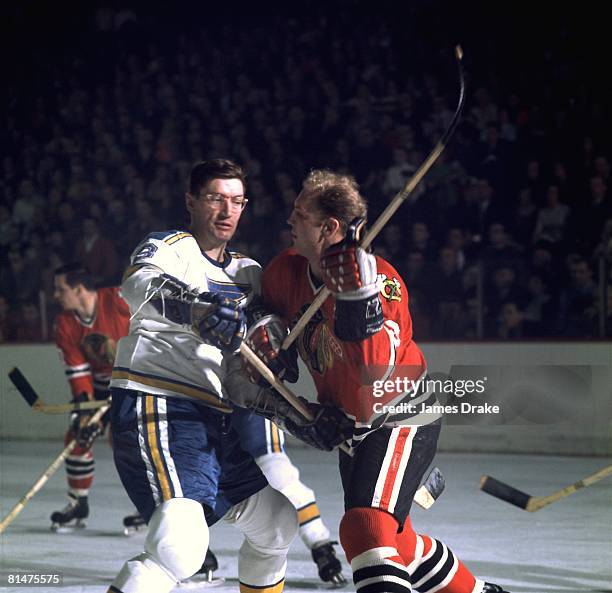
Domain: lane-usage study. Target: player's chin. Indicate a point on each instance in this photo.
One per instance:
(224, 232)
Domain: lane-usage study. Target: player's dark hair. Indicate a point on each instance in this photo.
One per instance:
(205, 171)
(76, 273)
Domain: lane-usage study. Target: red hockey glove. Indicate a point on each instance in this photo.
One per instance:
(349, 271)
(265, 339)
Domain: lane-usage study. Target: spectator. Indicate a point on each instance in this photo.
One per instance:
(451, 322)
(503, 289)
(590, 218)
(98, 254)
(8, 321)
(457, 240)
(23, 282)
(524, 218)
(578, 302)
(420, 240)
(510, 323)
(500, 251)
(397, 175)
(538, 312)
(552, 219)
(29, 328)
(446, 277)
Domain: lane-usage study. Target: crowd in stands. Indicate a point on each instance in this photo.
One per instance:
(508, 237)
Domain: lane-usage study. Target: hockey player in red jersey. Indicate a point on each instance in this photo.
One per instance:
(362, 333)
(86, 334)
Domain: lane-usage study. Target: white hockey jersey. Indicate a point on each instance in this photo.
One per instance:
(159, 356)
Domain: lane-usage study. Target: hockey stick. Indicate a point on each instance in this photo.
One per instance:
(395, 203)
(425, 496)
(27, 392)
(55, 464)
(535, 503)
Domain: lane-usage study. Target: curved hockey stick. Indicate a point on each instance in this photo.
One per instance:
(425, 496)
(395, 203)
(55, 464)
(535, 503)
(33, 399)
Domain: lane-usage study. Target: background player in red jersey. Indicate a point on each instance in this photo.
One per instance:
(86, 334)
(363, 332)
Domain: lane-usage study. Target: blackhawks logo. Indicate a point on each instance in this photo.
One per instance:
(390, 288)
(317, 346)
(99, 349)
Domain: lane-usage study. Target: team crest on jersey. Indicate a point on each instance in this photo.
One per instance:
(145, 252)
(98, 349)
(233, 291)
(317, 346)
(390, 288)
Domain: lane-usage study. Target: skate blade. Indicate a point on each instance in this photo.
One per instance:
(201, 580)
(67, 527)
(129, 531)
(337, 581)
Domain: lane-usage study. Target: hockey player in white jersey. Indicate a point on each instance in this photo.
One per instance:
(175, 446)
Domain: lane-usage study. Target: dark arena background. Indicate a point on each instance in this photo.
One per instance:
(505, 246)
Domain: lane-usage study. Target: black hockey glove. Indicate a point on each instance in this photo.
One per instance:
(225, 325)
(265, 339)
(84, 433)
(219, 321)
(329, 428)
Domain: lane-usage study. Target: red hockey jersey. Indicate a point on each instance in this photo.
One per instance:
(345, 372)
(88, 349)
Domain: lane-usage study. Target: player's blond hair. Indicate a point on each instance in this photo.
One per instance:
(335, 195)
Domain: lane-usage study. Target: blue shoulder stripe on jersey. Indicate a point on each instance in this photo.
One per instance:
(230, 290)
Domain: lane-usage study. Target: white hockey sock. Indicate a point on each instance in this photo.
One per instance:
(285, 477)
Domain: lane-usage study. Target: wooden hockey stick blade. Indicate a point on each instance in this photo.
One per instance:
(393, 205)
(65, 408)
(431, 489)
(504, 492)
(53, 467)
(27, 391)
(535, 503)
(23, 386)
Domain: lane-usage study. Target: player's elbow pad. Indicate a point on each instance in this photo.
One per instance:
(134, 287)
(358, 320)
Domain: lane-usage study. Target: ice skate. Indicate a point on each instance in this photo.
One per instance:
(330, 569)
(72, 516)
(491, 588)
(133, 523)
(205, 576)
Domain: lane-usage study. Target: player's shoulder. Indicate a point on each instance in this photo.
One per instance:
(243, 260)
(391, 284)
(108, 292)
(110, 296)
(288, 261)
(164, 243)
(239, 268)
(385, 267)
(160, 239)
(168, 237)
(65, 323)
